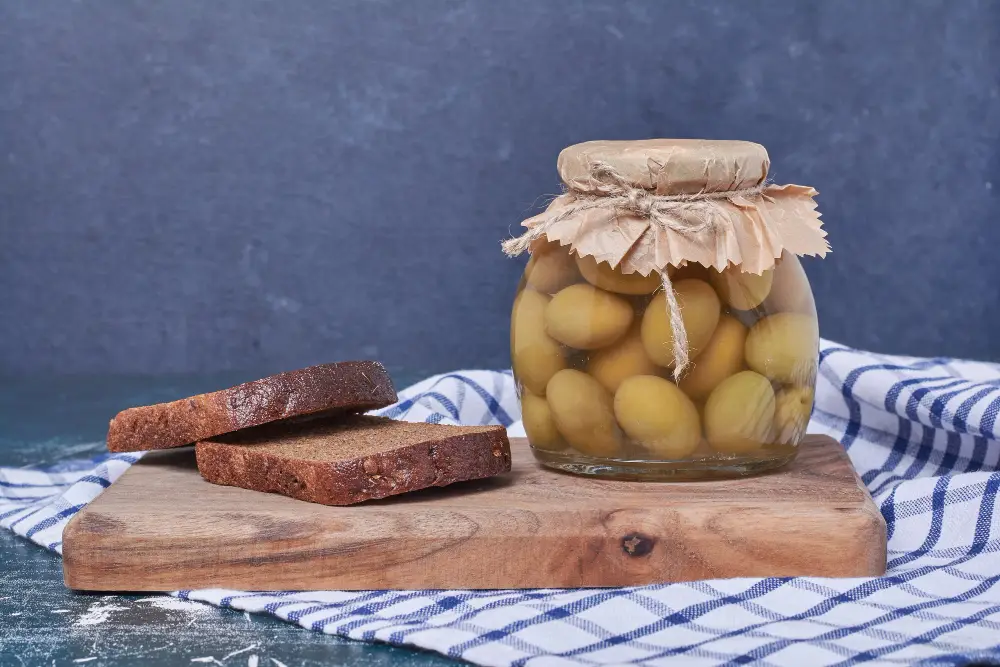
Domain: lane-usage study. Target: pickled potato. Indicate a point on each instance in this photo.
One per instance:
(583, 412)
(690, 270)
(600, 274)
(700, 310)
(586, 318)
(536, 357)
(656, 414)
(722, 357)
(792, 407)
(790, 292)
(742, 291)
(784, 347)
(739, 413)
(612, 365)
(538, 424)
(551, 268)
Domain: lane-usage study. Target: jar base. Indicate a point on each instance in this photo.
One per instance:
(660, 471)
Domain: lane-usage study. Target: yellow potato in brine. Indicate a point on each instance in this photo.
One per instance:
(612, 365)
(586, 318)
(742, 291)
(793, 405)
(790, 292)
(722, 357)
(600, 274)
(738, 414)
(536, 357)
(583, 411)
(784, 347)
(700, 311)
(551, 268)
(657, 415)
(538, 424)
(691, 270)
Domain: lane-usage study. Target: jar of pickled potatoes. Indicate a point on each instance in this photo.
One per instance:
(663, 327)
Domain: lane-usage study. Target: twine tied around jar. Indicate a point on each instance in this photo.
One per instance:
(689, 214)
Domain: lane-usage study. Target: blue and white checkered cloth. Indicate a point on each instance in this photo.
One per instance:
(921, 432)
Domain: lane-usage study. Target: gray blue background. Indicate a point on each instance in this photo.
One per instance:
(198, 187)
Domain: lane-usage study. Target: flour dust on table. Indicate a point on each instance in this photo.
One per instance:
(922, 434)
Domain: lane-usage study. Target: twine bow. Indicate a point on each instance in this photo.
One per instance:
(689, 214)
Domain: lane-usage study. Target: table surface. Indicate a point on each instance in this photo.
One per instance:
(42, 623)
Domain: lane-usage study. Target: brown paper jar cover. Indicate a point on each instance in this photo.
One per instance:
(744, 220)
(668, 166)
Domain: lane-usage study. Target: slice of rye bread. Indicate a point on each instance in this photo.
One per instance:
(347, 386)
(350, 460)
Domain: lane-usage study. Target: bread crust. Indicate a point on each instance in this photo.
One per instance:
(348, 386)
(321, 462)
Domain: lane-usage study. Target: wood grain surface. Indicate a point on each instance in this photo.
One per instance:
(160, 527)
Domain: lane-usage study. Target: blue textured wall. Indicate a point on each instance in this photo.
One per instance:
(243, 184)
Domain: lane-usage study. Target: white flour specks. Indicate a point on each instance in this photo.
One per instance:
(242, 650)
(252, 661)
(167, 603)
(98, 613)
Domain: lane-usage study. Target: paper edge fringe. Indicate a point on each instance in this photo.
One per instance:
(755, 233)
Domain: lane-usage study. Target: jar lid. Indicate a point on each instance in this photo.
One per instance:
(667, 166)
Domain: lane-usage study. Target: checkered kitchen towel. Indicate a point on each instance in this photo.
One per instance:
(922, 433)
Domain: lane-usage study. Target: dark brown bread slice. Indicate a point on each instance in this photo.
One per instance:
(349, 460)
(348, 386)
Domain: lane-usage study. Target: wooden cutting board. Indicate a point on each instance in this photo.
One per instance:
(160, 527)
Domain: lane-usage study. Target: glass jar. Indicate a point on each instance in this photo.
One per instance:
(594, 361)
